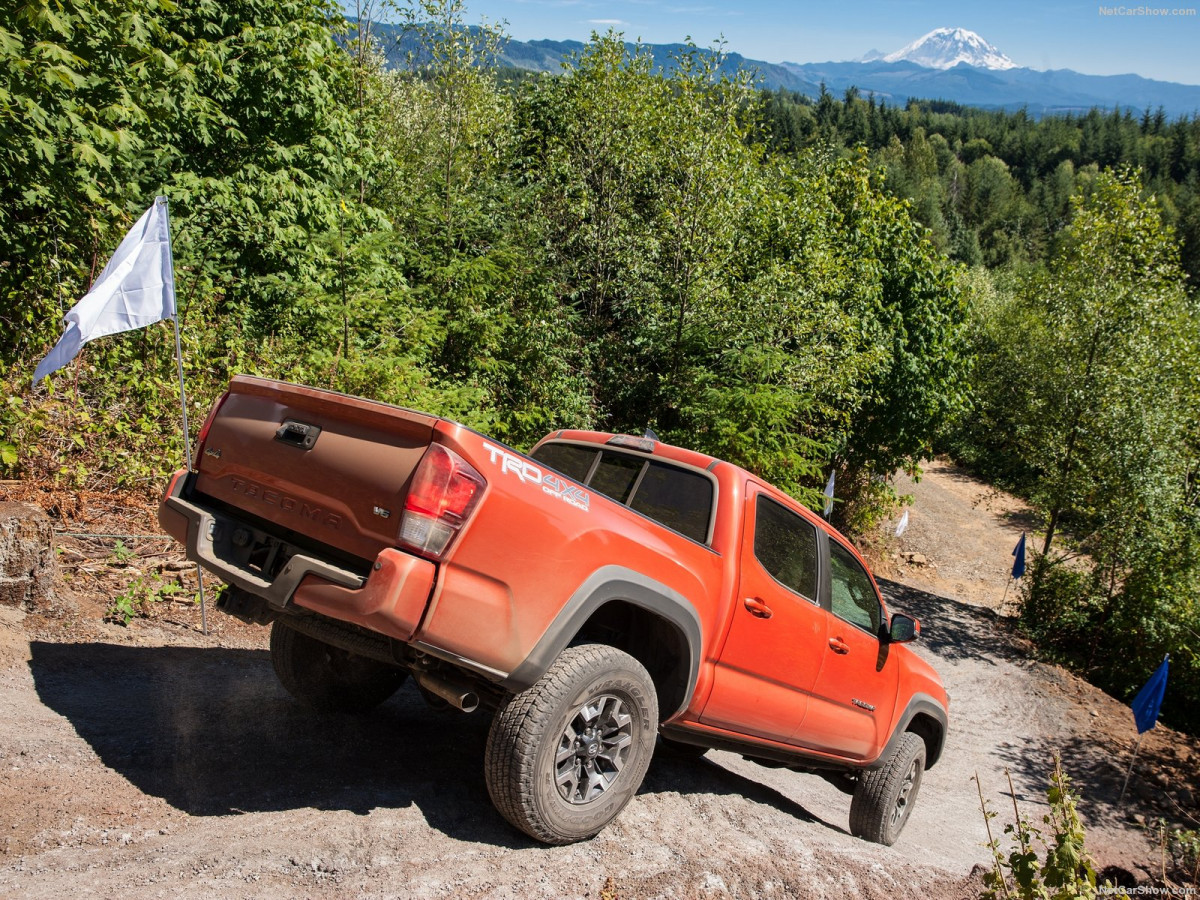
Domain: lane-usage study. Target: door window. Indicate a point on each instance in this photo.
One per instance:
(851, 592)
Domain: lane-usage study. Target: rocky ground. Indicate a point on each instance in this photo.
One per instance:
(145, 759)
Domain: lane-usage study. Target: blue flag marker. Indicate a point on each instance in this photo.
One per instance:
(1018, 568)
(1145, 711)
(1149, 699)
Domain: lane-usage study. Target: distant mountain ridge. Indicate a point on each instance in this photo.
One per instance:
(1041, 93)
(1010, 87)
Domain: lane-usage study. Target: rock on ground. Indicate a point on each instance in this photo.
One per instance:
(27, 566)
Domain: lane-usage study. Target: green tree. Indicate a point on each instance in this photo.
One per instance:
(1106, 366)
(76, 109)
(237, 112)
(474, 238)
(1085, 392)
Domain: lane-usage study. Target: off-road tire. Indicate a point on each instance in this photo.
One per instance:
(328, 678)
(884, 798)
(537, 759)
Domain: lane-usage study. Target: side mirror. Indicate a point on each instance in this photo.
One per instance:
(903, 629)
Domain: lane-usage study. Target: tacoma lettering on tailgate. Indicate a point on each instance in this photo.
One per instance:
(284, 502)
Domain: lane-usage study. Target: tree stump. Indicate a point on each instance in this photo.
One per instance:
(27, 561)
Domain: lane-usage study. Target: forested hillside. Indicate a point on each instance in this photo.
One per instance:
(994, 188)
(795, 286)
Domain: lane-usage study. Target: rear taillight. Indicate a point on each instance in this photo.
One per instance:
(444, 492)
(206, 427)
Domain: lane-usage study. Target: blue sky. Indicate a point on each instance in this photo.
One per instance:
(1040, 35)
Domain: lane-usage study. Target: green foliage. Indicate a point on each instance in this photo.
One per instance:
(1086, 402)
(1180, 853)
(993, 186)
(135, 600)
(235, 110)
(120, 553)
(1065, 872)
(778, 313)
(1065, 606)
(1115, 333)
(610, 248)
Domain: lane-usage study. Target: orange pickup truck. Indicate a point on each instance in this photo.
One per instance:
(600, 595)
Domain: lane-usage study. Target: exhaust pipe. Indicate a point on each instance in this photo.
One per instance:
(456, 693)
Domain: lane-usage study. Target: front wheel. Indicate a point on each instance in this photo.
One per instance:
(566, 755)
(884, 798)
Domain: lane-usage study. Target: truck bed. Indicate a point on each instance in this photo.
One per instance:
(300, 494)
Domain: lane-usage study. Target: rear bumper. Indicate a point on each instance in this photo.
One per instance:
(390, 600)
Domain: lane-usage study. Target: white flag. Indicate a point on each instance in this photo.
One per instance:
(136, 289)
(829, 494)
(903, 524)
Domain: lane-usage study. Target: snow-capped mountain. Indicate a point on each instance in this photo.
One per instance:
(945, 48)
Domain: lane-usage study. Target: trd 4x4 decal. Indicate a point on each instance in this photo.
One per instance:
(528, 473)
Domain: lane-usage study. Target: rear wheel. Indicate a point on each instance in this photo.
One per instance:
(566, 755)
(884, 798)
(329, 678)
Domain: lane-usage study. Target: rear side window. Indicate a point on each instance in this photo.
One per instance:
(680, 499)
(786, 545)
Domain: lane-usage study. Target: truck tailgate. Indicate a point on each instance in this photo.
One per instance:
(326, 465)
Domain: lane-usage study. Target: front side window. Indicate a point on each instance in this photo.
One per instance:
(851, 592)
(786, 545)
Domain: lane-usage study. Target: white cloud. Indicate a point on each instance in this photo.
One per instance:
(607, 22)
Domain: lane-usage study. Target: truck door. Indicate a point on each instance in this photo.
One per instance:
(851, 709)
(777, 638)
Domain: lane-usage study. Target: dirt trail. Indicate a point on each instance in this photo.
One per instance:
(151, 761)
(964, 531)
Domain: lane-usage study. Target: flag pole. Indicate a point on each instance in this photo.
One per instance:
(187, 438)
(1136, 745)
(1146, 706)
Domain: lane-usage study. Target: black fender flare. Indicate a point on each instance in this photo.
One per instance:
(605, 585)
(920, 704)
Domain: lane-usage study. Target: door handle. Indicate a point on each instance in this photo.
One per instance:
(837, 645)
(758, 608)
